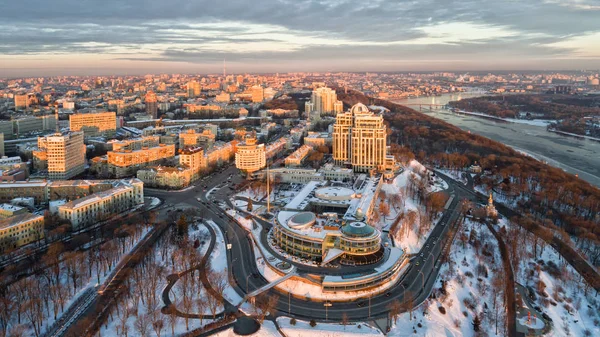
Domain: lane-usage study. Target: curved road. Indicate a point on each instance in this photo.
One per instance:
(414, 286)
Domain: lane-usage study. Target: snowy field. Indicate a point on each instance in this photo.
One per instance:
(142, 310)
(468, 291)
(413, 227)
(267, 329)
(303, 329)
(559, 290)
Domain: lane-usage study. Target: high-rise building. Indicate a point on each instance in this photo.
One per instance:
(249, 156)
(193, 89)
(258, 94)
(194, 159)
(151, 104)
(21, 101)
(359, 139)
(323, 102)
(65, 154)
(94, 124)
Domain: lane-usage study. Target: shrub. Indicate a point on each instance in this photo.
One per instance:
(465, 313)
(457, 323)
(313, 323)
(420, 325)
(442, 310)
(587, 333)
(293, 321)
(468, 274)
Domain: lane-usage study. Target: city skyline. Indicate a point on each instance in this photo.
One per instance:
(72, 38)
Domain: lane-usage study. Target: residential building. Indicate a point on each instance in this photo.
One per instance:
(8, 210)
(193, 158)
(323, 102)
(166, 177)
(297, 157)
(151, 104)
(223, 97)
(19, 230)
(124, 163)
(191, 138)
(99, 206)
(258, 94)
(193, 89)
(64, 154)
(220, 153)
(94, 124)
(134, 143)
(250, 156)
(359, 139)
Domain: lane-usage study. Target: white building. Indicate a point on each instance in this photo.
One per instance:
(96, 207)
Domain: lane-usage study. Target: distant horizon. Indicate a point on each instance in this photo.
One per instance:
(215, 73)
(70, 37)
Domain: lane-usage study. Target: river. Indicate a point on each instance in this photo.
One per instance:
(576, 156)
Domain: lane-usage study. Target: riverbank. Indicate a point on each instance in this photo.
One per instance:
(578, 136)
(533, 122)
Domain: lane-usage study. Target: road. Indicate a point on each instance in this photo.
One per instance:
(414, 287)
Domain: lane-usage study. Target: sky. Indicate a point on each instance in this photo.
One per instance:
(94, 37)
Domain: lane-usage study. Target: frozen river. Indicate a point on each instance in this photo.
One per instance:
(577, 156)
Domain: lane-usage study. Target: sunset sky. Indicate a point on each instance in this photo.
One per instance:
(151, 36)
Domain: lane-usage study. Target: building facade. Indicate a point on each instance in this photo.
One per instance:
(360, 139)
(250, 156)
(94, 124)
(64, 154)
(151, 104)
(124, 163)
(323, 102)
(19, 230)
(99, 206)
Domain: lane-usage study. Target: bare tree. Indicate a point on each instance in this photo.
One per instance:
(142, 324)
(345, 320)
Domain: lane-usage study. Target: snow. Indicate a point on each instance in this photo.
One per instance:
(303, 328)
(564, 289)
(407, 237)
(267, 329)
(300, 198)
(460, 287)
(241, 219)
(218, 262)
(533, 323)
(154, 202)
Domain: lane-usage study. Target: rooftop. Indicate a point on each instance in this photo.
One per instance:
(18, 219)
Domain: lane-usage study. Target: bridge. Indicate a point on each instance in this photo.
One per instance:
(421, 105)
(252, 295)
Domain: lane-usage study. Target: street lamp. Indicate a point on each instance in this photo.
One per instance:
(247, 278)
(326, 305)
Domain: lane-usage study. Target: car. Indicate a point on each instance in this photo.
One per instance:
(417, 263)
(388, 294)
(361, 304)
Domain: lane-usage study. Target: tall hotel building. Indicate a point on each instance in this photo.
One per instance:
(249, 156)
(94, 124)
(65, 154)
(359, 139)
(151, 104)
(323, 102)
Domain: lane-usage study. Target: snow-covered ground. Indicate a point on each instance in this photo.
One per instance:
(267, 329)
(559, 289)
(303, 329)
(218, 263)
(165, 261)
(467, 292)
(154, 202)
(410, 235)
